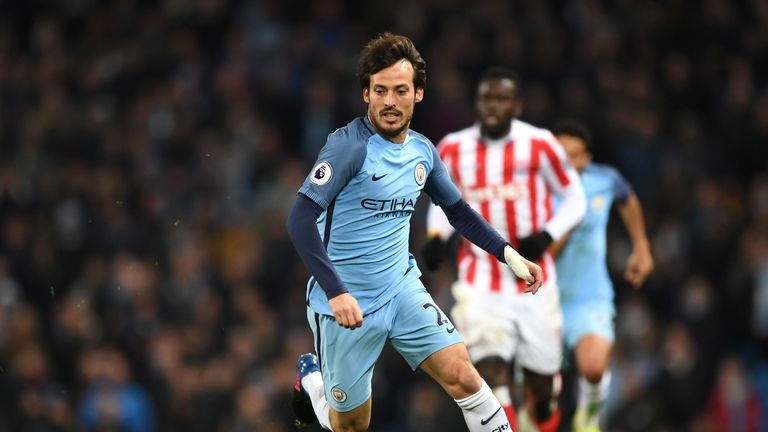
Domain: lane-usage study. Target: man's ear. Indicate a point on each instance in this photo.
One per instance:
(419, 94)
(366, 96)
(519, 109)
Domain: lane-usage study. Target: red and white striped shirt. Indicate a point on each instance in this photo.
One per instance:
(510, 182)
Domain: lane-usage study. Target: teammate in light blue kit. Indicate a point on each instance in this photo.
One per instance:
(586, 291)
(351, 225)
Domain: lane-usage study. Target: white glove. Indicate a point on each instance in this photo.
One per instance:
(515, 262)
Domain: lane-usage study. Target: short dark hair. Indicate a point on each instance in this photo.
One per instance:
(385, 50)
(501, 72)
(574, 128)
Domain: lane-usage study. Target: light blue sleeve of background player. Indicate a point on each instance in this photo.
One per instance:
(621, 187)
(338, 161)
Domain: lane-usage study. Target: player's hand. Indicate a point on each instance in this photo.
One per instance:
(533, 246)
(346, 311)
(639, 266)
(434, 252)
(526, 270)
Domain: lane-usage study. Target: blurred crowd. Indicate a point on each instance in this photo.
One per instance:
(150, 151)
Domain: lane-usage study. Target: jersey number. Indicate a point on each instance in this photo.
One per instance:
(440, 320)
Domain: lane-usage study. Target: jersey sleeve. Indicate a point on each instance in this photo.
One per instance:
(306, 239)
(564, 181)
(475, 228)
(555, 167)
(439, 185)
(621, 187)
(338, 162)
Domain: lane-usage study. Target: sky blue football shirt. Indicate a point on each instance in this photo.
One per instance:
(582, 272)
(368, 187)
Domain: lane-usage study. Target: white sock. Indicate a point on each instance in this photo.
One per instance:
(483, 412)
(313, 384)
(593, 394)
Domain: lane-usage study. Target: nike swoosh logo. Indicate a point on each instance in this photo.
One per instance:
(374, 178)
(485, 422)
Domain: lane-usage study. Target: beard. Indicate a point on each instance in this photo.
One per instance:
(495, 127)
(389, 130)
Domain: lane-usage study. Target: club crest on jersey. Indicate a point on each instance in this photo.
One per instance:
(598, 202)
(420, 173)
(338, 395)
(321, 174)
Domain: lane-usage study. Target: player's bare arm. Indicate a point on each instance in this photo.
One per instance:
(640, 262)
(559, 244)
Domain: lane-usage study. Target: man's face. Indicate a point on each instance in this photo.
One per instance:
(391, 97)
(576, 150)
(497, 104)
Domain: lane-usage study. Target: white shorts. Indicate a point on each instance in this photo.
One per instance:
(521, 326)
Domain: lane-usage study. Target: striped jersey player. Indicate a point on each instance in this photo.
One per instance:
(511, 182)
(510, 171)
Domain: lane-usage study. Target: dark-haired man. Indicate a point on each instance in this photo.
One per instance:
(509, 171)
(350, 225)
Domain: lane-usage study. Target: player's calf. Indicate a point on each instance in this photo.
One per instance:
(496, 373)
(453, 370)
(349, 422)
(540, 397)
(593, 375)
(483, 412)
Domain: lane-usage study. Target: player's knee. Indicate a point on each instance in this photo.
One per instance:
(593, 373)
(592, 357)
(469, 379)
(541, 392)
(540, 387)
(349, 424)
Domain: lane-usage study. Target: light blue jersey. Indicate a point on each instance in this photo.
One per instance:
(368, 187)
(586, 290)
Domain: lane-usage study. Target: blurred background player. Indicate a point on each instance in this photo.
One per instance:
(509, 171)
(365, 288)
(586, 291)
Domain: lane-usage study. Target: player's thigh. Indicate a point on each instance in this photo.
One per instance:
(588, 317)
(347, 357)
(486, 321)
(418, 327)
(539, 323)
